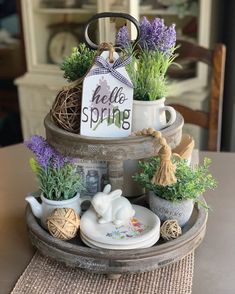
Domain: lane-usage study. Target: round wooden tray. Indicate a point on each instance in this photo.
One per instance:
(75, 253)
(109, 149)
(112, 150)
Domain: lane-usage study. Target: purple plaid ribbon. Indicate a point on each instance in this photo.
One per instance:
(106, 67)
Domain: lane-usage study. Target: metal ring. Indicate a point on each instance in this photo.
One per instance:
(110, 14)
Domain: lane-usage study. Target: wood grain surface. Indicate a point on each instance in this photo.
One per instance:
(76, 254)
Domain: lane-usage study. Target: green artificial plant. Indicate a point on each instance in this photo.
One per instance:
(76, 65)
(191, 182)
(57, 175)
(152, 55)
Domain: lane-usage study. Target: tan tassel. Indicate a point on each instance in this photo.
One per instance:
(165, 175)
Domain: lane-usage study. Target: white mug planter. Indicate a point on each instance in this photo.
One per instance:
(165, 209)
(151, 114)
(44, 209)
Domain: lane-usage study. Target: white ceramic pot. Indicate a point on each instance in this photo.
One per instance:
(44, 209)
(151, 114)
(166, 209)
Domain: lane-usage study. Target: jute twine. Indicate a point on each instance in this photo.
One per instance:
(46, 276)
(165, 175)
(170, 229)
(66, 109)
(63, 223)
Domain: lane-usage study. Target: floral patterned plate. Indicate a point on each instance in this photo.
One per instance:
(143, 227)
(143, 244)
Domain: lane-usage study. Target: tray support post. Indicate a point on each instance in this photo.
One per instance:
(115, 171)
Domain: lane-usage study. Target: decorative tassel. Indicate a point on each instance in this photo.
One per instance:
(165, 175)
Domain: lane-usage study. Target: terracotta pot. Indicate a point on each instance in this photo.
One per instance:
(165, 209)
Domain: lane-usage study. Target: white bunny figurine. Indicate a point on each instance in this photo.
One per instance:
(112, 207)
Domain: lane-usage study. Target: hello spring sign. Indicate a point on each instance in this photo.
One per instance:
(107, 99)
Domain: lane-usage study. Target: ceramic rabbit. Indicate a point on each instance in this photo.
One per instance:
(112, 207)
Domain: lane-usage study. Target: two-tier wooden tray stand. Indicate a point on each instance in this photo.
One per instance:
(115, 262)
(113, 150)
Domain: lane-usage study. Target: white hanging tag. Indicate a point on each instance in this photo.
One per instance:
(107, 99)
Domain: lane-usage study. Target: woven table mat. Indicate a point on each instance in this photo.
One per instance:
(46, 276)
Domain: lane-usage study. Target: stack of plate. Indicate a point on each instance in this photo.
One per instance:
(142, 231)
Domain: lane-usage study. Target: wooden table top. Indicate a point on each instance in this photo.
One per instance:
(214, 260)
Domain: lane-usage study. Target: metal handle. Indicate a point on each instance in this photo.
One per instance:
(110, 14)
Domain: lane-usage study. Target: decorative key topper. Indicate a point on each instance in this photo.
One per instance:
(107, 97)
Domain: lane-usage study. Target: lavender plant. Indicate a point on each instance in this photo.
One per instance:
(56, 174)
(154, 55)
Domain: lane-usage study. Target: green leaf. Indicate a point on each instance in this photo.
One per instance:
(34, 165)
(76, 65)
(118, 119)
(191, 182)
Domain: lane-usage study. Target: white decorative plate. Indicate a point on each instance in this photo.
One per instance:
(144, 244)
(143, 227)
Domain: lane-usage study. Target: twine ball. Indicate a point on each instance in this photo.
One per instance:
(170, 229)
(63, 223)
(66, 109)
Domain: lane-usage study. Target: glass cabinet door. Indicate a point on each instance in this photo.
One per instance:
(53, 27)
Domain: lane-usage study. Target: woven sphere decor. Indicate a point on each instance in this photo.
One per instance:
(63, 223)
(170, 229)
(66, 109)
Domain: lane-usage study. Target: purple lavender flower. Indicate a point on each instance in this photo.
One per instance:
(36, 144)
(153, 36)
(122, 37)
(145, 33)
(45, 154)
(44, 158)
(58, 160)
(168, 39)
(157, 33)
(41, 149)
(161, 37)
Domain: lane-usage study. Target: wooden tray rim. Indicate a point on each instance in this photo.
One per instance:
(198, 228)
(53, 128)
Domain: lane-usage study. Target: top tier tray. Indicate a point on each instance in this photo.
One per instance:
(109, 149)
(114, 151)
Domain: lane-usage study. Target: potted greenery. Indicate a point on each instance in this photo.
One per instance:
(59, 182)
(176, 201)
(76, 65)
(152, 56)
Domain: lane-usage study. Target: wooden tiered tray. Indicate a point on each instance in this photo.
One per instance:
(116, 262)
(112, 150)
(75, 253)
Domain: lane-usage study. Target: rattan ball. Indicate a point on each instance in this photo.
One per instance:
(170, 229)
(63, 223)
(66, 109)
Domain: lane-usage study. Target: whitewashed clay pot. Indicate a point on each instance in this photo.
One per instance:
(44, 209)
(151, 114)
(165, 209)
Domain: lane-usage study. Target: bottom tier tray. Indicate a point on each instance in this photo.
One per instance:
(75, 253)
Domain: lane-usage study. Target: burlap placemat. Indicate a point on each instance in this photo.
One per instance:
(46, 276)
